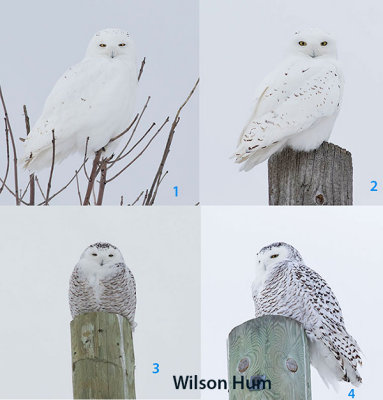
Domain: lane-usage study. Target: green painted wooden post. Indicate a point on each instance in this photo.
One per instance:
(102, 357)
(274, 348)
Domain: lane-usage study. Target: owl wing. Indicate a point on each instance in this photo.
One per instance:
(131, 297)
(323, 308)
(315, 98)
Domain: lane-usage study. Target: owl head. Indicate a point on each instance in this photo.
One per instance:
(113, 44)
(313, 43)
(102, 254)
(273, 254)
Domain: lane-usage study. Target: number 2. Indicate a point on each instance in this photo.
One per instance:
(374, 189)
(351, 394)
(156, 368)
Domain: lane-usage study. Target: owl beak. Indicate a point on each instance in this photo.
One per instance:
(113, 54)
(102, 262)
(313, 54)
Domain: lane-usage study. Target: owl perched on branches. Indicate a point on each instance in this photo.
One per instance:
(297, 104)
(101, 282)
(285, 286)
(94, 99)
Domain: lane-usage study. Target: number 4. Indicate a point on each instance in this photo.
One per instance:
(351, 394)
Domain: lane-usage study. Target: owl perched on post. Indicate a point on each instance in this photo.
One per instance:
(95, 98)
(101, 282)
(297, 104)
(285, 286)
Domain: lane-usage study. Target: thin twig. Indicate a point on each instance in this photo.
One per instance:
(141, 69)
(13, 148)
(102, 185)
(12, 192)
(134, 131)
(41, 190)
(145, 198)
(136, 144)
(92, 178)
(64, 187)
(32, 191)
(52, 167)
(138, 198)
(140, 153)
(78, 188)
(7, 169)
(125, 131)
(25, 191)
(151, 197)
(86, 157)
(122, 201)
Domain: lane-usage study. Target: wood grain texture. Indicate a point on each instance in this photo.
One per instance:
(269, 346)
(102, 357)
(320, 177)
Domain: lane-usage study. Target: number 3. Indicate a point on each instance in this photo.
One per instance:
(156, 368)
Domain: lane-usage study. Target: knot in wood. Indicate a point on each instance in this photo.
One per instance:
(291, 365)
(319, 199)
(243, 365)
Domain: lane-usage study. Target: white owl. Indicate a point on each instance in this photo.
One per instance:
(95, 99)
(297, 104)
(285, 286)
(101, 282)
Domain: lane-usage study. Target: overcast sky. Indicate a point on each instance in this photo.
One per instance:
(246, 40)
(341, 244)
(40, 39)
(40, 248)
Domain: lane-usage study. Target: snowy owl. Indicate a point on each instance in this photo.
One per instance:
(94, 99)
(101, 282)
(297, 104)
(285, 286)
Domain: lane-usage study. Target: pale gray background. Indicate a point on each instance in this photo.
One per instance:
(242, 41)
(341, 244)
(40, 39)
(40, 248)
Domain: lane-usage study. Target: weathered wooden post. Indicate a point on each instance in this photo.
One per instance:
(318, 177)
(102, 357)
(270, 356)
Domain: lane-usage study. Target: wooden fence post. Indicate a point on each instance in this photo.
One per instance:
(102, 357)
(269, 354)
(319, 177)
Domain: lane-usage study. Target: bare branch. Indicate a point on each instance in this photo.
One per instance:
(25, 191)
(146, 197)
(122, 201)
(140, 153)
(152, 192)
(136, 144)
(13, 149)
(64, 187)
(32, 191)
(125, 131)
(78, 187)
(52, 166)
(137, 199)
(92, 178)
(41, 190)
(7, 141)
(141, 69)
(134, 130)
(103, 181)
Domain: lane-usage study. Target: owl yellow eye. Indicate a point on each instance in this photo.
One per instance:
(94, 254)
(122, 44)
(110, 255)
(302, 43)
(274, 256)
(324, 43)
(102, 45)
